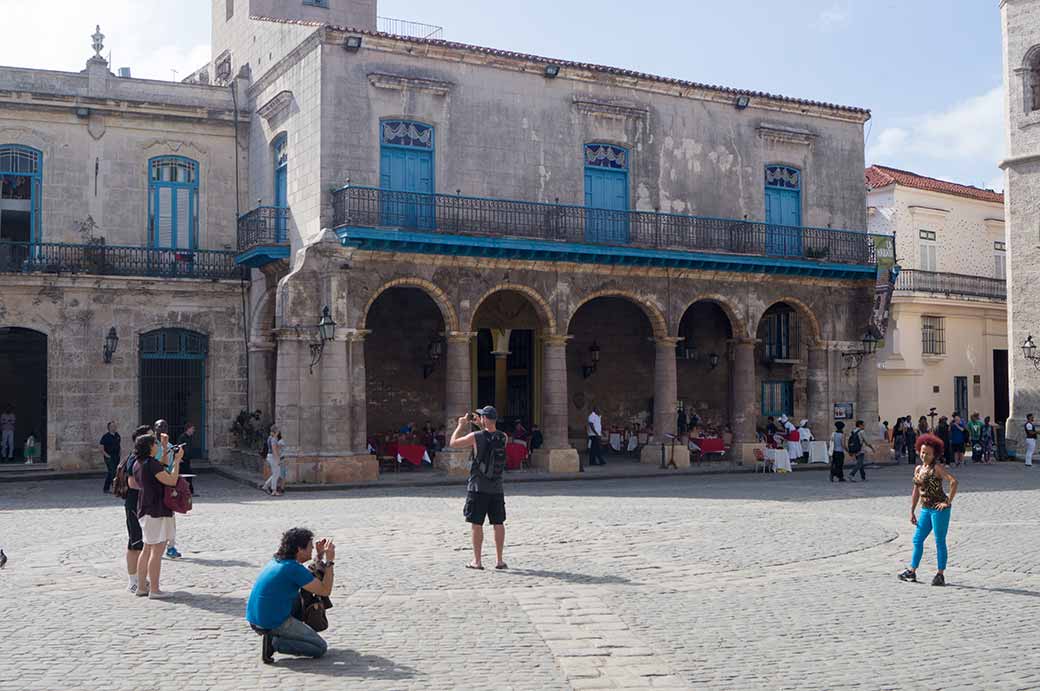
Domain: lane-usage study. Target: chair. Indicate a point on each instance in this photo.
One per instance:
(761, 460)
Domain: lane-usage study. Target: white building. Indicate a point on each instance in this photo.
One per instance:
(947, 344)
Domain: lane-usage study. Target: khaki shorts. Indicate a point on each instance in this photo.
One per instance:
(158, 531)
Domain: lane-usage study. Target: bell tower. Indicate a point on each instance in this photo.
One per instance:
(1021, 31)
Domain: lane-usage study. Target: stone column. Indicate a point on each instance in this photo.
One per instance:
(744, 398)
(358, 406)
(457, 394)
(819, 391)
(501, 381)
(556, 455)
(867, 393)
(287, 388)
(666, 387)
(337, 428)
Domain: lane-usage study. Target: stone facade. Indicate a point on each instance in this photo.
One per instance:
(966, 232)
(1021, 23)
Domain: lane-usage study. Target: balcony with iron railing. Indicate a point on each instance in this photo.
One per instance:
(116, 260)
(566, 231)
(263, 236)
(951, 285)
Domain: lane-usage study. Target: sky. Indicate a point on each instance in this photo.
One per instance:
(929, 70)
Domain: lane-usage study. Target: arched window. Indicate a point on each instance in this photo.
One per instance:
(173, 202)
(280, 153)
(1033, 79)
(21, 180)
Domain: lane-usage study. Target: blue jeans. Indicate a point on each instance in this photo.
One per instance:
(293, 637)
(927, 521)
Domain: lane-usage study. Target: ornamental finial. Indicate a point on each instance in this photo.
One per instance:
(99, 39)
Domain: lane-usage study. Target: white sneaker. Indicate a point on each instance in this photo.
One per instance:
(158, 595)
(131, 587)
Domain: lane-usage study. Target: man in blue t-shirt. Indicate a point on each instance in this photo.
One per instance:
(269, 609)
(958, 437)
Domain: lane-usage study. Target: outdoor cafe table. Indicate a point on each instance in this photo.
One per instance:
(408, 453)
(515, 455)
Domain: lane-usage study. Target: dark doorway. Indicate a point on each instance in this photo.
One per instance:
(508, 386)
(173, 382)
(23, 379)
(960, 396)
(1001, 387)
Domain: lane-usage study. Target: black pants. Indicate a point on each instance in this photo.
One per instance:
(110, 472)
(595, 452)
(186, 469)
(838, 465)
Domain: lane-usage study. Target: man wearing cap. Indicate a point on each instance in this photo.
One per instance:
(484, 495)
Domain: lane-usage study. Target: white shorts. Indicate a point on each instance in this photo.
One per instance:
(158, 531)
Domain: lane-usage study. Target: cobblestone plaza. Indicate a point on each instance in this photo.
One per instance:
(717, 582)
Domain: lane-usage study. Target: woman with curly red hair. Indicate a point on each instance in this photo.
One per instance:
(935, 506)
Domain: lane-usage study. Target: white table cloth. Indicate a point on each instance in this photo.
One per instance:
(819, 452)
(781, 461)
(615, 441)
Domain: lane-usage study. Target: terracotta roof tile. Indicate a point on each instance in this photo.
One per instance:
(882, 176)
(579, 65)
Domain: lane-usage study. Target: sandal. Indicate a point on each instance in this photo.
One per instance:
(475, 567)
(502, 566)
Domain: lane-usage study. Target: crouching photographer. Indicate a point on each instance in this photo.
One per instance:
(277, 591)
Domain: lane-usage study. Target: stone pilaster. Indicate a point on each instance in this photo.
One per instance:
(337, 426)
(819, 391)
(867, 394)
(744, 394)
(666, 387)
(556, 455)
(457, 395)
(358, 407)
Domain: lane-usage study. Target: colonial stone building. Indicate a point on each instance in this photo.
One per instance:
(494, 227)
(1021, 24)
(946, 346)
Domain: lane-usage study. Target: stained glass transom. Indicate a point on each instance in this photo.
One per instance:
(173, 169)
(400, 133)
(606, 156)
(18, 159)
(784, 177)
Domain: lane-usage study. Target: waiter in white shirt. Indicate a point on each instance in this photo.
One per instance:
(595, 431)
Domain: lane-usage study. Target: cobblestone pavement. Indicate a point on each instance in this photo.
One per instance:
(711, 582)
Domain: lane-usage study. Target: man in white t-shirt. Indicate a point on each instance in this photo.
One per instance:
(1030, 440)
(595, 431)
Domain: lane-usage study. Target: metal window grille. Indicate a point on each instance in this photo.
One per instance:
(933, 336)
(173, 381)
(777, 398)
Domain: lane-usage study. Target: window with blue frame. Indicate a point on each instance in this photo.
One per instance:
(777, 398)
(406, 174)
(606, 193)
(280, 151)
(21, 180)
(779, 333)
(173, 202)
(317, 3)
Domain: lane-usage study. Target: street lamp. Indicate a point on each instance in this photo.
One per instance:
(588, 370)
(868, 346)
(326, 332)
(433, 353)
(111, 343)
(1029, 351)
(713, 360)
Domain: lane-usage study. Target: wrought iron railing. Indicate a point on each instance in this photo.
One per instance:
(116, 260)
(403, 27)
(264, 225)
(916, 281)
(457, 214)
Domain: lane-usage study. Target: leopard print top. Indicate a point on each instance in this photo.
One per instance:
(931, 487)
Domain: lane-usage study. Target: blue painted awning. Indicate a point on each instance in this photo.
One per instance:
(379, 239)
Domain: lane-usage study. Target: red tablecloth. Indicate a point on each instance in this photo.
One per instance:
(515, 455)
(390, 449)
(412, 453)
(710, 444)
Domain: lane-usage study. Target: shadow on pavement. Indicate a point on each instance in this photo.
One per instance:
(347, 663)
(219, 604)
(570, 577)
(1005, 591)
(219, 562)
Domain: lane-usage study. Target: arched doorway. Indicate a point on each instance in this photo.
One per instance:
(23, 379)
(704, 368)
(610, 366)
(784, 334)
(404, 363)
(173, 382)
(507, 356)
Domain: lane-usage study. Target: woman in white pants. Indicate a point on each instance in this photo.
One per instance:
(275, 484)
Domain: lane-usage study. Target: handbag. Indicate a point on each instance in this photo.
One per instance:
(178, 497)
(310, 608)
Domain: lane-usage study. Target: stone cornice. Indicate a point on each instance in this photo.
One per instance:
(382, 80)
(785, 134)
(150, 109)
(611, 109)
(279, 103)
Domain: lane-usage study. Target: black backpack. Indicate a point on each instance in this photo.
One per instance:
(855, 443)
(492, 461)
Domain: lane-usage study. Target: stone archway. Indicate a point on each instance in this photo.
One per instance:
(705, 365)
(23, 378)
(439, 297)
(653, 313)
(787, 332)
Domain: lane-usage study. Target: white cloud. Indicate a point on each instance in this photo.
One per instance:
(151, 38)
(835, 17)
(971, 129)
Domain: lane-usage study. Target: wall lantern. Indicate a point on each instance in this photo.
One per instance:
(326, 332)
(1029, 351)
(352, 44)
(434, 351)
(588, 370)
(742, 102)
(552, 71)
(868, 346)
(111, 343)
(713, 360)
